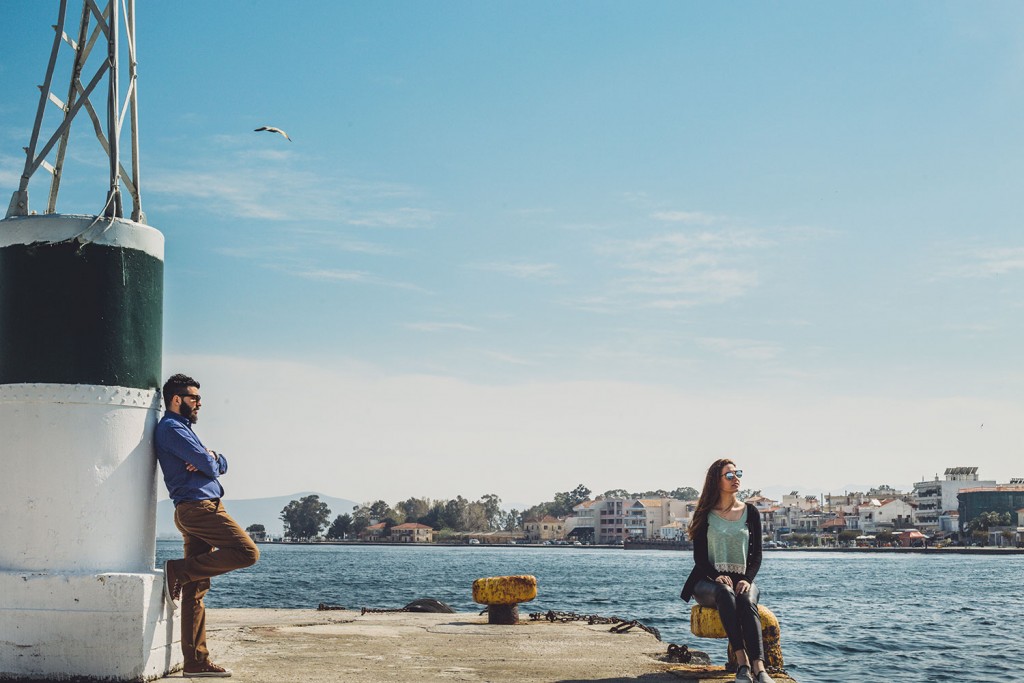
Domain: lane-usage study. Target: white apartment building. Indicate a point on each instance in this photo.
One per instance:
(796, 501)
(893, 513)
(615, 519)
(938, 498)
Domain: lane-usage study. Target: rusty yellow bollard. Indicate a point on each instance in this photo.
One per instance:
(706, 623)
(502, 595)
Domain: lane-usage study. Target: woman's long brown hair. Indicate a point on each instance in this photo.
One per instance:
(708, 496)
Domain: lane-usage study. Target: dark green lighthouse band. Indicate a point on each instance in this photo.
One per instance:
(80, 308)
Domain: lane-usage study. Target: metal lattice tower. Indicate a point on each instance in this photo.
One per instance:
(95, 26)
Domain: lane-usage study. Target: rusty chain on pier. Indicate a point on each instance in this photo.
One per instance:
(620, 625)
(676, 653)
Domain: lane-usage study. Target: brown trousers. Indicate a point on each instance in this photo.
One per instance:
(214, 545)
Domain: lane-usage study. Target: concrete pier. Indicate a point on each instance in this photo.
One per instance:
(269, 646)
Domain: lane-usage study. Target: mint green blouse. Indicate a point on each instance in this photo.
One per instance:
(728, 543)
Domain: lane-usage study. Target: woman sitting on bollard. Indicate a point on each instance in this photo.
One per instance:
(726, 535)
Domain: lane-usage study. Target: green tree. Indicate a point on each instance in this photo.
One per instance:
(414, 509)
(360, 518)
(565, 501)
(453, 514)
(848, 535)
(512, 520)
(538, 511)
(474, 518)
(986, 520)
(341, 525)
(433, 516)
(304, 518)
(380, 509)
(492, 510)
(685, 493)
(257, 532)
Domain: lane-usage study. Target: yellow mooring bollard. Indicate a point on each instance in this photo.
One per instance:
(706, 623)
(502, 595)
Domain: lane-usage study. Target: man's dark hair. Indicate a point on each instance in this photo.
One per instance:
(177, 384)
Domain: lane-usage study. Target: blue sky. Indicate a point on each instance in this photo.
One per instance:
(518, 246)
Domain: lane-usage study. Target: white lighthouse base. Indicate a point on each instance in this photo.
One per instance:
(108, 627)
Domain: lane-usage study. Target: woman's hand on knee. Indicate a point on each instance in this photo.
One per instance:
(743, 586)
(725, 581)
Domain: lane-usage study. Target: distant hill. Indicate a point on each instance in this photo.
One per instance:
(265, 511)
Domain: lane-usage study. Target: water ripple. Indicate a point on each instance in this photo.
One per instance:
(905, 618)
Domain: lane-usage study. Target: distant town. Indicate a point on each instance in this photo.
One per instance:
(958, 509)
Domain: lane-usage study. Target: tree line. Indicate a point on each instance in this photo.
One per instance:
(308, 517)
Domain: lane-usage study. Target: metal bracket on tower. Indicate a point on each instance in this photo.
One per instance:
(108, 27)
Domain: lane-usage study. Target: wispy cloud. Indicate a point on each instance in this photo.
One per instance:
(687, 217)
(440, 327)
(352, 276)
(340, 241)
(745, 349)
(10, 175)
(259, 251)
(983, 262)
(683, 269)
(522, 270)
(276, 184)
(507, 358)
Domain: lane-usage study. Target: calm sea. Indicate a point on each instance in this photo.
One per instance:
(891, 618)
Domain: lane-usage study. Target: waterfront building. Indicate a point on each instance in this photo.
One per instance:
(768, 522)
(847, 502)
(411, 532)
(936, 498)
(761, 501)
(880, 515)
(832, 527)
(806, 522)
(547, 528)
(374, 532)
(1006, 498)
(949, 522)
(580, 524)
(673, 531)
(794, 500)
(612, 520)
(885, 492)
(646, 516)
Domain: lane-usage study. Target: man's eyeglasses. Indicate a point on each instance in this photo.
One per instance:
(196, 397)
(737, 474)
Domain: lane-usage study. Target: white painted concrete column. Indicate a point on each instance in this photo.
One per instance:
(80, 330)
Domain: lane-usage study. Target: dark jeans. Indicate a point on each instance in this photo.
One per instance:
(214, 545)
(738, 612)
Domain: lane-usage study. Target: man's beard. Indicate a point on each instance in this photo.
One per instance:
(189, 413)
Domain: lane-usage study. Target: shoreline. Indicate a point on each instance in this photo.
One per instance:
(970, 550)
(956, 550)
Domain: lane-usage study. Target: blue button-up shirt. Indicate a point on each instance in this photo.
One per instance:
(177, 446)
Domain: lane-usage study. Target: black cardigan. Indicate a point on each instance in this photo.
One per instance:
(702, 567)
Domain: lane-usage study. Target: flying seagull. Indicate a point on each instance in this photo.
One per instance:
(271, 129)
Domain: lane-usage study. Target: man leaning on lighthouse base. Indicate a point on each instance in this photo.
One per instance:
(214, 542)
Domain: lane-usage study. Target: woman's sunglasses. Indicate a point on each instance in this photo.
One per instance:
(737, 474)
